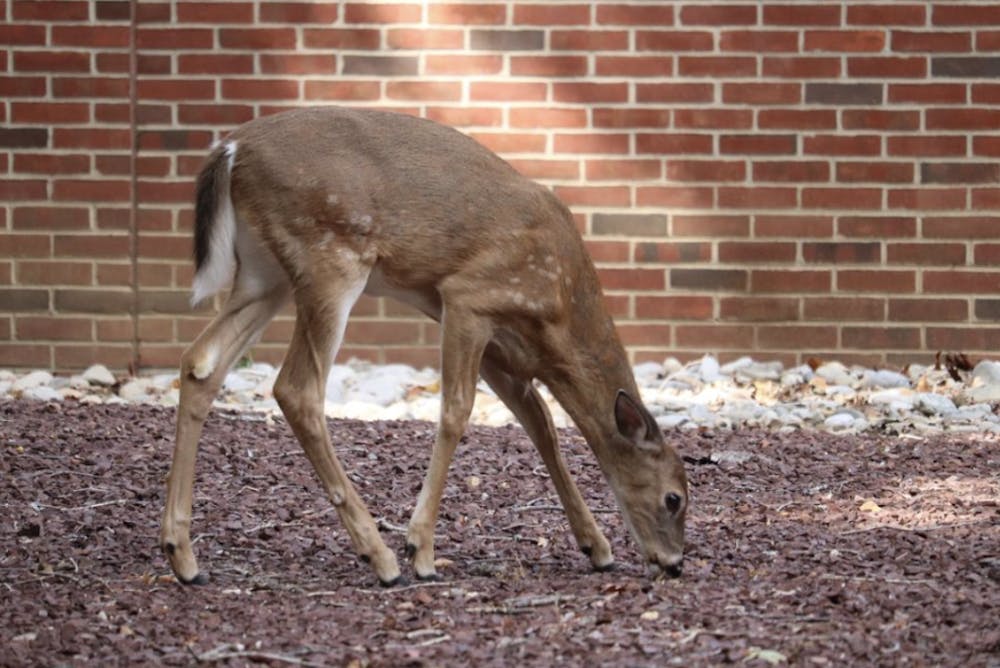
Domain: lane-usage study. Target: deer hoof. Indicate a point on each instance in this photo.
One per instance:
(430, 577)
(398, 581)
(199, 579)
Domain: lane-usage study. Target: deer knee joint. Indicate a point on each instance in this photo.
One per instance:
(201, 364)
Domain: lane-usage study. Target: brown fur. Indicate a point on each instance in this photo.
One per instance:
(410, 209)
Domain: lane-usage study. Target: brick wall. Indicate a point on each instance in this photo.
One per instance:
(781, 179)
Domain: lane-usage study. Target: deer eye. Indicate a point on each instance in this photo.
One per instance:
(672, 501)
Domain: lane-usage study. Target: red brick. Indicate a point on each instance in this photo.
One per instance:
(514, 142)
(964, 282)
(878, 119)
(914, 41)
(260, 89)
(801, 67)
(797, 337)
(645, 334)
(729, 119)
(670, 252)
(590, 92)
(987, 254)
(986, 198)
(58, 272)
(92, 190)
(842, 198)
(50, 112)
(607, 251)
(13, 34)
(215, 12)
(91, 35)
(52, 61)
(925, 254)
(757, 197)
(761, 93)
(24, 245)
(965, 14)
(927, 146)
(356, 12)
(423, 38)
(714, 225)
(799, 14)
(16, 86)
(455, 64)
(758, 144)
(795, 226)
(342, 90)
(120, 63)
(22, 189)
(464, 116)
(634, 66)
(340, 38)
(175, 89)
(714, 337)
(174, 38)
(875, 280)
(845, 41)
(965, 339)
(931, 93)
(875, 172)
(716, 66)
(648, 15)
(706, 170)
(837, 252)
(214, 114)
(759, 41)
(257, 39)
(591, 143)
(986, 93)
(100, 138)
(588, 40)
(297, 64)
(791, 280)
(549, 66)
(836, 145)
(117, 164)
(504, 91)
(673, 40)
(623, 170)
(988, 40)
(297, 12)
(632, 279)
(887, 14)
(673, 308)
(718, 14)
(790, 171)
(47, 328)
(961, 227)
(543, 169)
(468, 14)
(986, 145)
(882, 338)
(37, 218)
(50, 10)
(544, 117)
(971, 118)
(50, 163)
(673, 143)
(593, 195)
(450, 91)
(843, 308)
(926, 198)
(748, 252)
(887, 67)
(877, 227)
(674, 92)
(797, 119)
(561, 14)
(690, 197)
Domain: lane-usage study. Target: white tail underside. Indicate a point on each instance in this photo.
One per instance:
(217, 271)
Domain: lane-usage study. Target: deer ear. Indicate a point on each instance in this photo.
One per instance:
(629, 418)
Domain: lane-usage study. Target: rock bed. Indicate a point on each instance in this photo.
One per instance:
(952, 396)
(805, 548)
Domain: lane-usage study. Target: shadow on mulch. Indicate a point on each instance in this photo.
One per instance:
(807, 548)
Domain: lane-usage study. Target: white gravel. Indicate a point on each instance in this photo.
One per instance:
(699, 395)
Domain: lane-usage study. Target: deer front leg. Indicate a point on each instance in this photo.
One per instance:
(299, 390)
(530, 410)
(203, 368)
(463, 338)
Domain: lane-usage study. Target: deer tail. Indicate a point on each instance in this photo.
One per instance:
(214, 225)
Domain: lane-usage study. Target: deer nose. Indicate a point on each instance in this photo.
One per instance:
(674, 570)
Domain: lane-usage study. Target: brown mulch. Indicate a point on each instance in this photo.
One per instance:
(806, 549)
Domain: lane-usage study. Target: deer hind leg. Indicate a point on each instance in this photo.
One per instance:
(203, 368)
(464, 336)
(528, 407)
(300, 390)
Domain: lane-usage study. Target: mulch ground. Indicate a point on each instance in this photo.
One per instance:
(806, 549)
